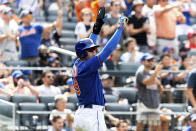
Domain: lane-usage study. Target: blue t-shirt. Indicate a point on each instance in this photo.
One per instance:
(30, 39)
(192, 82)
(87, 81)
(128, 10)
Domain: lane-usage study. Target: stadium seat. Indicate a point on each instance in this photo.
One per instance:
(6, 110)
(128, 93)
(46, 99)
(129, 67)
(65, 41)
(182, 38)
(119, 108)
(193, 20)
(111, 99)
(26, 119)
(16, 63)
(69, 47)
(69, 26)
(24, 99)
(192, 52)
(70, 106)
(174, 107)
(68, 34)
(51, 106)
(72, 99)
(4, 97)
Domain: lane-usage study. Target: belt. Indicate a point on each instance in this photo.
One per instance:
(166, 38)
(91, 106)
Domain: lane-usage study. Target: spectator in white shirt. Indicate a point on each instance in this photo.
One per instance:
(60, 105)
(132, 55)
(47, 88)
(84, 28)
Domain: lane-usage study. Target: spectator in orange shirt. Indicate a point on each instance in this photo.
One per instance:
(92, 4)
(166, 16)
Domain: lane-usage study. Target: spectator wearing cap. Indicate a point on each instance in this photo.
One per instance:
(192, 123)
(107, 83)
(166, 33)
(192, 40)
(60, 109)
(48, 88)
(148, 11)
(112, 21)
(149, 90)
(132, 55)
(23, 86)
(168, 78)
(71, 89)
(30, 35)
(138, 26)
(8, 35)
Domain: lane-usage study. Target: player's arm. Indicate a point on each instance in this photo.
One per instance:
(98, 24)
(112, 43)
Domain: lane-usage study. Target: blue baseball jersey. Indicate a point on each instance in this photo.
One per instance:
(30, 39)
(87, 81)
(85, 74)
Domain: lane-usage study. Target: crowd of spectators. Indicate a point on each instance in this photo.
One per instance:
(160, 35)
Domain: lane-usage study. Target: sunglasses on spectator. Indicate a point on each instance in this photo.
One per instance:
(151, 60)
(50, 76)
(92, 49)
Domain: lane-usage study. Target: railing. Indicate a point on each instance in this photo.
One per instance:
(131, 114)
(7, 123)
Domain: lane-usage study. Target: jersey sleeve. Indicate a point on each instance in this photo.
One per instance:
(110, 46)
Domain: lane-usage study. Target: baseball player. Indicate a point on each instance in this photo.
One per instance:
(87, 83)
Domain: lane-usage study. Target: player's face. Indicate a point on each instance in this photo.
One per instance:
(91, 52)
(58, 125)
